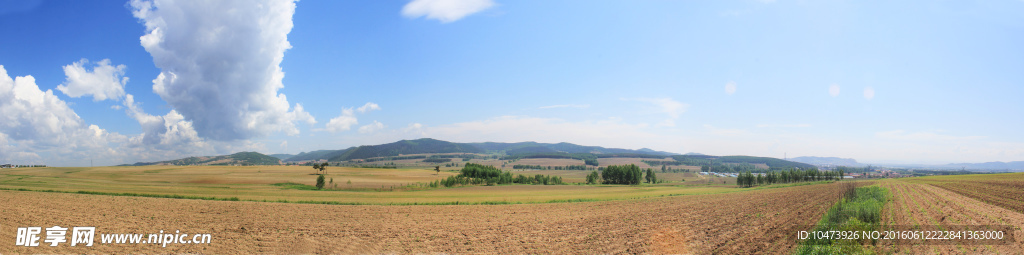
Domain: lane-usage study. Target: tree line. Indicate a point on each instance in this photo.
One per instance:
(437, 160)
(625, 174)
(476, 174)
(539, 167)
(588, 158)
(748, 179)
(14, 166)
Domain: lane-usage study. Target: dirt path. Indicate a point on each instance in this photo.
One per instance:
(762, 221)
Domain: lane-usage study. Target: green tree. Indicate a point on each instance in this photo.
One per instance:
(437, 169)
(320, 182)
(651, 177)
(593, 177)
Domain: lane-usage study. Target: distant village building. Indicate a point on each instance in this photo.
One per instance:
(6, 166)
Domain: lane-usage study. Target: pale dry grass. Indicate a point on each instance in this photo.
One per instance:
(368, 185)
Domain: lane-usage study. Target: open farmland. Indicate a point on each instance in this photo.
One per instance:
(751, 221)
(915, 203)
(292, 184)
(605, 162)
(1004, 190)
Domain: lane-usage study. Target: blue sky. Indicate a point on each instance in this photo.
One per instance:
(878, 81)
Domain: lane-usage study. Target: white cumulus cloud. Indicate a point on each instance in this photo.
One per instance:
(343, 122)
(372, 127)
(33, 121)
(444, 10)
(730, 87)
(103, 82)
(220, 64)
(369, 106)
(170, 132)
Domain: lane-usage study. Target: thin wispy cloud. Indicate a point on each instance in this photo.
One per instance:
(783, 125)
(725, 131)
(869, 93)
(372, 127)
(929, 136)
(577, 106)
(666, 105)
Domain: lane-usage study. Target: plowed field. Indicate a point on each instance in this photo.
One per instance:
(918, 204)
(755, 221)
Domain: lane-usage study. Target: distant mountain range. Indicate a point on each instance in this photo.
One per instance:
(1011, 166)
(515, 150)
(828, 161)
(241, 158)
(428, 145)
(988, 166)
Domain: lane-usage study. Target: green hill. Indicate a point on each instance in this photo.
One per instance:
(317, 155)
(281, 156)
(773, 163)
(241, 158)
(423, 145)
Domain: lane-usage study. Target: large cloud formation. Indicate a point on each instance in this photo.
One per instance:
(33, 121)
(220, 64)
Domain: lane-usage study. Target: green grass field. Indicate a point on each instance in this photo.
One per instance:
(293, 184)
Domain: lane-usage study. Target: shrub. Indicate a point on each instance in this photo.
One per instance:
(320, 182)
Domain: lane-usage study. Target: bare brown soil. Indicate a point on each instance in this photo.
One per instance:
(923, 204)
(760, 221)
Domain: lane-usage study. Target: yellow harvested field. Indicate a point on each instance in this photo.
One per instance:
(368, 185)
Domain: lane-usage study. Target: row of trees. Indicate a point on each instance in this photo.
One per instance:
(437, 160)
(730, 168)
(539, 167)
(16, 166)
(588, 158)
(503, 178)
(527, 167)
(666, 169)
(485, 174)
(626, 174)
(570, 167)
(748, 179)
